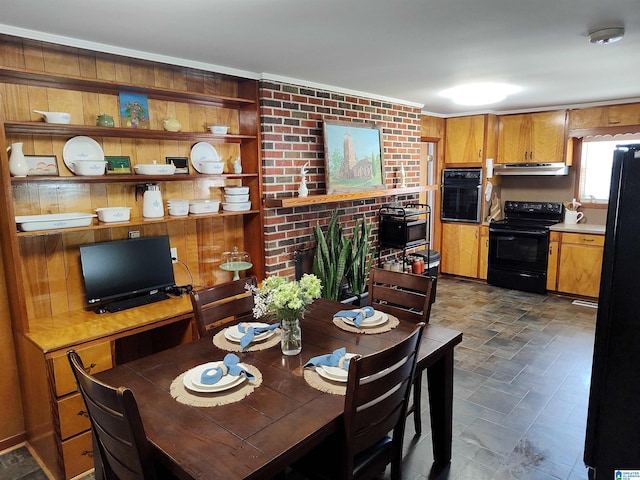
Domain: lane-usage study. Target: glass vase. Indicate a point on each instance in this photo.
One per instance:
(290, 337)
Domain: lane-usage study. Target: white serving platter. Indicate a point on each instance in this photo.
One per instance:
(81, 148)
(203, 152)
(54, 221)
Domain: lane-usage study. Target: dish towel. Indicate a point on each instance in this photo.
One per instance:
(336, 359)
(250, 332)
(358, 314)
(230, 366)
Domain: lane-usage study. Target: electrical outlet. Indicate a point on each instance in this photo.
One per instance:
(174, 254)
(134, 234)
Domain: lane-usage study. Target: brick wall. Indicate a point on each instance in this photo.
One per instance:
(292, 119)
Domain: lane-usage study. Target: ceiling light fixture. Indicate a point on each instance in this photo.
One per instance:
(606, 35)
(480, 93)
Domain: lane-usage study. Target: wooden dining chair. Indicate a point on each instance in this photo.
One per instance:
(407, 296)
(378, 387)
(123, 451)
(222, 303)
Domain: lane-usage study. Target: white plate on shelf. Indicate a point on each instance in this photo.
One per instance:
(54, 221)
(191, 379)
(378, 318)
(203, 152)
(81, 148)
(234, 335)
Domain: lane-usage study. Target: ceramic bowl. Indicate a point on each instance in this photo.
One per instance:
(55, 117)
(155, 169)
(89, 167)
(236, 207)
(204, 206)
(179, 210)
(219, 129)
(236, 190)
(211, 167)
(114, 214)
(236, 198)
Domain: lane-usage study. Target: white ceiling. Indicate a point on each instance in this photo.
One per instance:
(408, 50)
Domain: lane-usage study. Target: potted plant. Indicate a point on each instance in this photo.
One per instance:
(330, 261)
(360, 261)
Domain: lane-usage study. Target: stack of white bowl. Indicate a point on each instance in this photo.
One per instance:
(236, 199)
(204, 206)
(178, 207)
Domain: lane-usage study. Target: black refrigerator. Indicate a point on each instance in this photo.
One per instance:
(612, 440)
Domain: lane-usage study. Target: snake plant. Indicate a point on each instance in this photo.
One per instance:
(360, 258)
(332, 253)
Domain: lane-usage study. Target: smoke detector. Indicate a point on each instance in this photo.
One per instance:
(606, 35)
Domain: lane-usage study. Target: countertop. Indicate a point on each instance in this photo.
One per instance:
(593, 228)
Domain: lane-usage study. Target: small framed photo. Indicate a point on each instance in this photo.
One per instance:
(118, 165)
(181, 163)
(40, 165)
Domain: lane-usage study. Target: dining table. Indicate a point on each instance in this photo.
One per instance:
(258, 436)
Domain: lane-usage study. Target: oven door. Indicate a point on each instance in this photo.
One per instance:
(518, 258)
(461, 202)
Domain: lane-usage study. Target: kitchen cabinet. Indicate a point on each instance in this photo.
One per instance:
(580, 264)
(470, 140)
(552, 265)
(460, 244)
(606, 116)
(483, 263)
(42, 268)
(532, 138)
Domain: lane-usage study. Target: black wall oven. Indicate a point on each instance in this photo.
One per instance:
(461, 195)
(519, 245)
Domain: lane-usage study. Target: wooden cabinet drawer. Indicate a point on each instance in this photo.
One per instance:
(73, 416)
(583, 239)
(77, 454)
(96, 358)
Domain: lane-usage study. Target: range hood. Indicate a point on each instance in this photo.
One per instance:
(530, 169)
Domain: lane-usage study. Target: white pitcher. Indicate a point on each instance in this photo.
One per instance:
(17, 163)
(152, 206)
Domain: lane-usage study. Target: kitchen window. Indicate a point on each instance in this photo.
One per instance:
(595, 167)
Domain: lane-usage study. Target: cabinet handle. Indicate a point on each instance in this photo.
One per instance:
(587, 239)
(83, 413)
(550, 250)
(480, 153)
(88, 369)
(486, 243)
(525, 155)
(87, 453)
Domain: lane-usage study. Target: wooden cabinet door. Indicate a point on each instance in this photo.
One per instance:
(514, 139)
(609, 116)
(464, 139)
(548, 137)
(460, 249)
(580, 264)
(552, 266)
(483, 262)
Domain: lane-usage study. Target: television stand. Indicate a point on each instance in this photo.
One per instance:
(133, 302)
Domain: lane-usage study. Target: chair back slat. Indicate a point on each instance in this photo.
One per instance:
(222, 304)
(118, 431)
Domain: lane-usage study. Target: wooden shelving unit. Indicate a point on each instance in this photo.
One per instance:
(338, 197)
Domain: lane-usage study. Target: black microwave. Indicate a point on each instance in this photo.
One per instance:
(397, 232)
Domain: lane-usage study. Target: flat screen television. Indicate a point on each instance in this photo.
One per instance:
(126, 268)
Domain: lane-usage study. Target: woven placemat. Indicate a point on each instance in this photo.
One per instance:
(393, 322)
(220, 341)
(195, 399)
(316, 381)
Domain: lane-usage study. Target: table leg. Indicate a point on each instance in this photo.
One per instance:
(440, 381)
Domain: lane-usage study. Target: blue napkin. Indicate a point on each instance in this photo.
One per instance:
(335, 359)
(250, 332)
(230, 366)
(357, 315)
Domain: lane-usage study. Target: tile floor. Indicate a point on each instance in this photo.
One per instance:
(521, 389)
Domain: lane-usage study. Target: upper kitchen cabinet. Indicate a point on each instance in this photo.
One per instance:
(470, 140)
(608, 116)
(532, 138)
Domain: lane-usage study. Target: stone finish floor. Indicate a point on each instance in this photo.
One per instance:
(521, 389)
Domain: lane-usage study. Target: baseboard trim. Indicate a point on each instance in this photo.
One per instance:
(13, 442)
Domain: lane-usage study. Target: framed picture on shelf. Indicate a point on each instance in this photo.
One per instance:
(181, 163)
(118, 165)
(134, 110)
(353, 156)
(42, 165)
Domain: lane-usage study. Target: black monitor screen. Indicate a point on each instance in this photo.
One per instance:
(123, 268)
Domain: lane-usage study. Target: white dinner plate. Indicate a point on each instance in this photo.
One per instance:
(336, 373)
(203, 152)
(378, 318)
(234, 335)
(191, 379)
(323, 373)
(81, 148)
